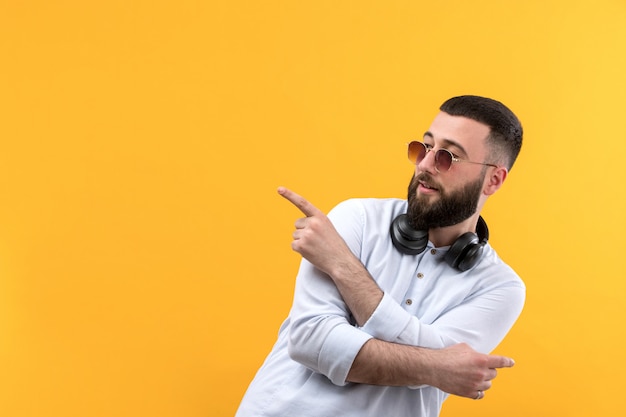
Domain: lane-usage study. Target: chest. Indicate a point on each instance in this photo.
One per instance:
(424, 285)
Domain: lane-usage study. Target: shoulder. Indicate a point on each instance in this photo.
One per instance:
(364, 225)
(496, 271)
(363, 219)
(368, 207)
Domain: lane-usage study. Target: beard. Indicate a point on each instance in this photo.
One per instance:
(451, 208)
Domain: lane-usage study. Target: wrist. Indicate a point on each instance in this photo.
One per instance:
(430, 368)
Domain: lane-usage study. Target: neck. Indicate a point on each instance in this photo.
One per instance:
(446, 236)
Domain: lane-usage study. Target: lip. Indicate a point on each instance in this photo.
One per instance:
(425, 188)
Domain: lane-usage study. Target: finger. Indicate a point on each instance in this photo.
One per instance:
(491, 374)
(500, 362)
(301, 223)
(297, 200)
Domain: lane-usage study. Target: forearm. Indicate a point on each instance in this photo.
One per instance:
(357, 288)
(390, 364)
(458, 369)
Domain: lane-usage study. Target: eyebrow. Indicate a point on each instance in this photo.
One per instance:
(448, 143)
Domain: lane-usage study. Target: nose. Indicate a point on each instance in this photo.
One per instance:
(428, 163)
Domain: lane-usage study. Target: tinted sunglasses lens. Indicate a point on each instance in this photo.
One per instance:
(417, 151)
(443, 160)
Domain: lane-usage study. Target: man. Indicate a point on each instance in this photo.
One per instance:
(398, 303)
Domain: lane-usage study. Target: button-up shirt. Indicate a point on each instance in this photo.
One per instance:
(426, 303)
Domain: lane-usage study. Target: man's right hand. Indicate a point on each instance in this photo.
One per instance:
(461, 371)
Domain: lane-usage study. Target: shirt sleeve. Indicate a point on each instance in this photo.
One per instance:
(482, 320)
(322, 335)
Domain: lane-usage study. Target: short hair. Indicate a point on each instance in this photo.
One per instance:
(505, 138)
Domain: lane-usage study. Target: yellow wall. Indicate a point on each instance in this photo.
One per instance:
(144, 255)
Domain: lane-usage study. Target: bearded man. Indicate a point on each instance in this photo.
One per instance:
(399, 302)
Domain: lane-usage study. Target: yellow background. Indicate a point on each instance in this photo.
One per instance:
(144, 255)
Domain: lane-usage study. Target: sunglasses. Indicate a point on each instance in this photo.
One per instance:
(443, 157)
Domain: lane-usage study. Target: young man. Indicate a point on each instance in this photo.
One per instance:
(398, 302)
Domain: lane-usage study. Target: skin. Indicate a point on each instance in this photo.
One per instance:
(457, 369)
(466, 139)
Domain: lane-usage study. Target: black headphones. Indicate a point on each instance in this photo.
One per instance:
(464, 253)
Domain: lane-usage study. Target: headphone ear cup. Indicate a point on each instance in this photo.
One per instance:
(406, 239)
(471, 257)
(459, 250)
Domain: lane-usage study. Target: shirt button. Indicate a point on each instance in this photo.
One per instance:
(420, 275)
(409, 301)
(433, 251)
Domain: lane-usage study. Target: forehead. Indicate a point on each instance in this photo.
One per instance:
(466, 132)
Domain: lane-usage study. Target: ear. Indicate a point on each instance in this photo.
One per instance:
(494, 179)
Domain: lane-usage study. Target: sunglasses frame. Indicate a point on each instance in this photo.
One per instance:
(438, 155)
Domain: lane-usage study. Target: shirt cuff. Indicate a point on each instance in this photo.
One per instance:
(338, 352)
(388, 321)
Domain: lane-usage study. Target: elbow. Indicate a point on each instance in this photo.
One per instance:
(301, 346)
(297, 353)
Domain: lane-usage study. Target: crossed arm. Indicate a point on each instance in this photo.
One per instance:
(457, 369)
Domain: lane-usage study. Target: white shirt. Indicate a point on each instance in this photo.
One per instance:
(426, 303)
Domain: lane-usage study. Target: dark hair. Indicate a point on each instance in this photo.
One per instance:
(505, 139)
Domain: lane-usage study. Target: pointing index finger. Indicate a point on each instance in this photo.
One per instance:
(297, 200)
(501, 362)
